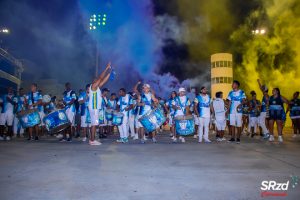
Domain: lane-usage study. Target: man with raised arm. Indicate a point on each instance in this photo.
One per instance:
(95, 101)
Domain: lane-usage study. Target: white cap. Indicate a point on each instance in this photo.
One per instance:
(181, 89)
(146, 85)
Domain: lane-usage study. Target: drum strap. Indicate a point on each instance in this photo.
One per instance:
(182, 107)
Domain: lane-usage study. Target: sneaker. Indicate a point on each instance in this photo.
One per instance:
(7, 138)
(294, 136)
(280, 139)
(125, 140)
(231, 140)
(160, 130)
(145, 138)
(174, 139)
(95, 142)
(69, 140)
(36, 138)
(171, 135)
(84, 139)
(238, 141)
(207, 141)
(1, 138)
(223, 139)
(154, 140)
(30, 138)
(120, 140)
(62, 140)
(219, 139)
(142, 141)
(252, 135)
(182, 140)
(59, 136)
(195, 136)
(271, 138)
(199, 141)
(266, 136)
(136, 137)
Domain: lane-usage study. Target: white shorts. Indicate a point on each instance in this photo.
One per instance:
(236, 119)
(137, 122)
(94, 117)
(253, 121)
(196, 120)
(220, 124)
(71, 116)
(6, 118)
(83, 123)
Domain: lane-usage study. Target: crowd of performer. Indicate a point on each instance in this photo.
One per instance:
(89, 113)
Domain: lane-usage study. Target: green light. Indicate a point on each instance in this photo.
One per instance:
(94, 27)
(103, 23)
(94, 16)
(91, 20)
(104, 19)
(90, 28)
(99, 23)
(91, 24)
(104, 15)
(94, 20)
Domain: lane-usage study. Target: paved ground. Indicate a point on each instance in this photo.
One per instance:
(51, 170)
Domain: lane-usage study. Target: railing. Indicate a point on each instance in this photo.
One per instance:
(10, 77)
(12, 59)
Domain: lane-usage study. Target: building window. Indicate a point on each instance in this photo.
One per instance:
(225, 64)
(221, 64)
(213, 64)
(225, 80)
(217, 64)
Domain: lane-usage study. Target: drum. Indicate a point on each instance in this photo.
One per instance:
(152, 120)
(56, 121)
(117, 118)
(184, 125)
(29, 118)
(109, 114)
(46, 98)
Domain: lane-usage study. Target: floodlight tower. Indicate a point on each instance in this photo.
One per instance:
(97, 21)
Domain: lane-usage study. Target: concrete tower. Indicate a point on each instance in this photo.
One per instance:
(221, 73)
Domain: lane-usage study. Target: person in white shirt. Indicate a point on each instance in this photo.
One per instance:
(202, 109)
(124, 105)
(7, 114)
(95, 101)
(236, 98)
(219, 109)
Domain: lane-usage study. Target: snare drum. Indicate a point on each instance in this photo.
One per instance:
(152, 120)
(184, 125)
(117, 118)
(56, 121)
(109, 114)
(29, 118)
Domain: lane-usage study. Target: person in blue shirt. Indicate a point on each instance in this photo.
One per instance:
(171, 112)
(83, 101)
(34, 101)
(263, 119)
(254, 112)
(20, 105)
(7, 114)
(111, 104)
(294, 109)
(69, 98)
(236, 99)
(276, 113)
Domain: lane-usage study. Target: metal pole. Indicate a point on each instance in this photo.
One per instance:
(97, 61)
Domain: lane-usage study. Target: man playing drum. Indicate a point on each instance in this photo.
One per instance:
(146, 100)
(34, 101)
(95, 101)
(181, 105)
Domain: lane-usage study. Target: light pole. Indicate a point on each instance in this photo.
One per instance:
(96, 22)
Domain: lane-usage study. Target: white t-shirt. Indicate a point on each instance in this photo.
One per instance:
(219, 108)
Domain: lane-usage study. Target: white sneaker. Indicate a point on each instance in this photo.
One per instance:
(174, 139)
(182, 140)
(219, 140)
(207, 141)
(195, 136)
(160, 130)
(145, 138)
(280, 139)
(95, 142)
(59, 136)
(7, 138)
(294, 136)
(136, 137)
(199, 141)
(223, 139)
(84, 139)
(271, 138)
(1, 138)
(154, 140)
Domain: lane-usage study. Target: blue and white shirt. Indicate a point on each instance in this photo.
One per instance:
(169, 104)
(8, 106)
(203, 107)
(147, 100)
(20, 101)
(84, 106)
(68, 97)
(125, 102)
(33, 98)
(181, 102)
(236, 98)
(112, 104)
